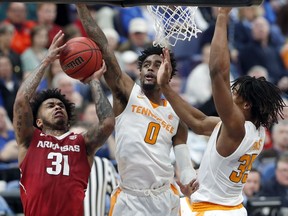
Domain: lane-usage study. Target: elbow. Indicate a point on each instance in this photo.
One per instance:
(20, 100)
(214, 69)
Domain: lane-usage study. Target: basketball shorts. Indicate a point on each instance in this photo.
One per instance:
(163, 201)
(209, 209)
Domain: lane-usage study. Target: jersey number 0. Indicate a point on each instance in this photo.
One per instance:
(152, 133)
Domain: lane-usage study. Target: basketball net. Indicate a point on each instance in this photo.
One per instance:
(173, 23)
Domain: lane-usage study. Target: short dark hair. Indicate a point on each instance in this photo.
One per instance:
(265, 98)
(158, 50)
(40, 97)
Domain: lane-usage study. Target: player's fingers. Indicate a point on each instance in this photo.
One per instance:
(59, 33)
(180, 184)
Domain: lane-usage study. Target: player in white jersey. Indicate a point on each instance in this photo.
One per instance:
(236, 136)
(146, 130)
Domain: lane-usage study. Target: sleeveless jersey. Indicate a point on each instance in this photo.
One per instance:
(222, 179)
(143, 134)
(54, 175)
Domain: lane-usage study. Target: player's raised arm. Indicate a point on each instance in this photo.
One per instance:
(194, 118)
(230, 114)
(98, 133)
(23, 117)
(114, 77)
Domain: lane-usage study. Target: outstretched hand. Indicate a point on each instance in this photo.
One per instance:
(225, 10)
(188, 189)
(97, 74)
(55, 47)
(165, 69)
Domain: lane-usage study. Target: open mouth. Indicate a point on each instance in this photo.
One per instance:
(149, 77)
(59, 114)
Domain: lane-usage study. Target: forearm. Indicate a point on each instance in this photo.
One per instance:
(91, 27)
(190, 115)
(219, 54)
(103, 107)
(184, 164)
(30, 84)
(96, 34)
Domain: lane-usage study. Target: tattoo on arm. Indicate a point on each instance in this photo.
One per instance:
(31, 83)
(103, 106)
(97, 135)
(91, 27)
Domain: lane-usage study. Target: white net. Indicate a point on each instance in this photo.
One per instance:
(173, 23)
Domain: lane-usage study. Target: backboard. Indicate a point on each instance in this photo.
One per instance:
(128, 3)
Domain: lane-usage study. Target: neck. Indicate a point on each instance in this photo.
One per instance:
(154, 96)
(54, 132)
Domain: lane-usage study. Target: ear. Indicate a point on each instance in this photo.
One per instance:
(39, 123)
(247, 106)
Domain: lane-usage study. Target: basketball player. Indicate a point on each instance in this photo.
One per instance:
(55, 163)
(236, 138)
(146, 129)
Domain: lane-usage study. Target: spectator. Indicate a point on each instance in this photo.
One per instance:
(267, 159)
(130, 66)
(243, 26)
(122, 19)
(8, 85)
(33, 55)
(138, 38)
(260, 51)
(5, 208)
(67, 85)
(252, 186)
(282, 17)
(6, 34)
(46, 16)
(17, 16)
(8, 147)
(278, 185)
(108, 149)
(258, 71)
(71, 31)
(198, 86)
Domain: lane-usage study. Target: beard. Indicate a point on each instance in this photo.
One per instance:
(148, 87)
(59, 124)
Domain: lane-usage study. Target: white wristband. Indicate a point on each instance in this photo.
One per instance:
(184, 163)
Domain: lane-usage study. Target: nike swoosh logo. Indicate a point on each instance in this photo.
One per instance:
(42, 134)
(140, 97)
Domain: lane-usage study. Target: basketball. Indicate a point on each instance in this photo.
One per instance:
(80, 58)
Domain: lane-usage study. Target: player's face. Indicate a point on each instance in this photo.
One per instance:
(52, 114)
(148, 75)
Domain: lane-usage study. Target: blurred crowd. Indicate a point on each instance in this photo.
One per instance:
(258, 41)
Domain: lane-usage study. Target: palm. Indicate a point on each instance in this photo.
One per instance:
(162, 74)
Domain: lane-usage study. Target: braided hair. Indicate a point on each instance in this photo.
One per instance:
(156, 50)
(265, 98)
(51, 93)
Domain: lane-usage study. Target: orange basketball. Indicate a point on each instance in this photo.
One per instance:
(80, 58)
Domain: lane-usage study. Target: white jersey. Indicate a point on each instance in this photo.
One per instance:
(186, 207)
(222, 179)
(143, 134)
